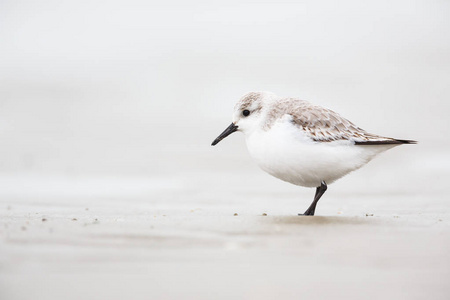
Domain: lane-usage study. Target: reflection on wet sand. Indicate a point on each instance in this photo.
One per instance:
(321, 220)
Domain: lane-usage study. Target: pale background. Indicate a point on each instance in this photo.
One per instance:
(107, 112)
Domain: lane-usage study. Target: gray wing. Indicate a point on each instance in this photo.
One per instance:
(324, 125)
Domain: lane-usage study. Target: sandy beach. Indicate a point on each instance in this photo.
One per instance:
(206, 233)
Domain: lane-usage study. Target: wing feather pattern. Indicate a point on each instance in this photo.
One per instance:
(324, 125)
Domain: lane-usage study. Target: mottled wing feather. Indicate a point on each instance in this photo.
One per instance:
(324, 125)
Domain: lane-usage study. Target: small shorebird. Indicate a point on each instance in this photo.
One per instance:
(302, 143)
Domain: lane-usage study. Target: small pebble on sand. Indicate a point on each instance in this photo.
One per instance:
(235, 214)
(264, 214)
(44, 219)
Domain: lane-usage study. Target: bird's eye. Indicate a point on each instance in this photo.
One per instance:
(246, 112)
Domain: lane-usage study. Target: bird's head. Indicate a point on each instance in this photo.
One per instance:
(247, 115)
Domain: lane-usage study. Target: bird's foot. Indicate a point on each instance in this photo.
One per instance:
(307, 213)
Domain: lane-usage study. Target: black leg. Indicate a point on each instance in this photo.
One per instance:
(320, 190)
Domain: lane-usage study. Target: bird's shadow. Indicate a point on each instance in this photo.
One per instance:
(321, 220)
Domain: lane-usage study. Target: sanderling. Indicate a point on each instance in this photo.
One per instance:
(302, 143)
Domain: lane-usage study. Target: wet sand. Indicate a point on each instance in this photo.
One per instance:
(214, 235)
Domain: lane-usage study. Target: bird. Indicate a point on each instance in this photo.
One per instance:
(302, 143)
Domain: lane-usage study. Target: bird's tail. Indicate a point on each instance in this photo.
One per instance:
(387, 141)
(406, 141)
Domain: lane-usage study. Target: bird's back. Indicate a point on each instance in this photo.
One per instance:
(322, 124)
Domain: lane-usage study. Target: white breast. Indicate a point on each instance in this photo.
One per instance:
(286, 153)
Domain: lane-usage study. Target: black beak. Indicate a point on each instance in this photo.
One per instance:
(230, 129)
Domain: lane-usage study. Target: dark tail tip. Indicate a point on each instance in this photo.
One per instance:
(386, 142)
(406, 141)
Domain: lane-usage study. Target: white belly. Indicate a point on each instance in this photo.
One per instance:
(284, 152)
